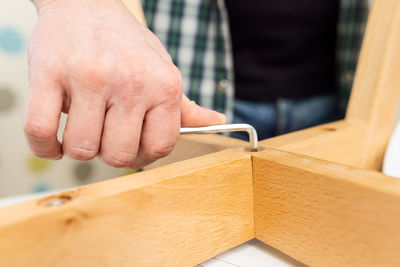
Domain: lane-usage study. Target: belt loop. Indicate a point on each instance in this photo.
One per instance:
(281, 115)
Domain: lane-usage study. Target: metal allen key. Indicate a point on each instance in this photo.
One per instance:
(224, 128)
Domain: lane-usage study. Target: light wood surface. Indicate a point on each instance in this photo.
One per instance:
(191, 146)
(338, 142)
(375, 94)
(325, 214)
(178, 215)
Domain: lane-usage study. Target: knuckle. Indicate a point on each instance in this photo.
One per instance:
(172, 84)
(94, 76)
(135, 80)
(159, 150)
(81, 153)
(39, 131)
(119, 159)
(94, 73)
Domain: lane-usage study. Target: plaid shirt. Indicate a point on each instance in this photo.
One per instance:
(196, 34)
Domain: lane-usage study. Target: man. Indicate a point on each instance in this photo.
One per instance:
(122, 92)
(293, 61)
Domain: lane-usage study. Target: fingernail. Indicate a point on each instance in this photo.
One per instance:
(222, 118)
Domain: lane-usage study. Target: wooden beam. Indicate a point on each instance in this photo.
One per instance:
(191, 146)
(375, 94)
(177, 215)
(338, 142)
(325, 214)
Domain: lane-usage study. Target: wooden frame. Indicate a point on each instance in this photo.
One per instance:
(315, 194)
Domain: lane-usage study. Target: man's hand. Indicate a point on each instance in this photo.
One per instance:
(123, 95)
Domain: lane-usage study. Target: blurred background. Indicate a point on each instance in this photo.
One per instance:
(20, 171)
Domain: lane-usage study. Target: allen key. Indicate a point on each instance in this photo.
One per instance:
(224, 128)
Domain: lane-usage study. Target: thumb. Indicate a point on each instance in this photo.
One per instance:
(192, 115)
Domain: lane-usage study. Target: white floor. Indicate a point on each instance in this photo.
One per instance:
(251, 254)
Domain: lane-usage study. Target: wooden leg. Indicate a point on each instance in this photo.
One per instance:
(376, 91)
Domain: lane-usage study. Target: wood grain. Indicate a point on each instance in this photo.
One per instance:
(338, 142)
(375, 94)
(325, 214)
(191, 146)
(177, 215)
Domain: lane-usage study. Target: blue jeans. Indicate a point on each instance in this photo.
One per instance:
(284, 115)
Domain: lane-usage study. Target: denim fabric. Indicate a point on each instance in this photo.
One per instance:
(284, 115)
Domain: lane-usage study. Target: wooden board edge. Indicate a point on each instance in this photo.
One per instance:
(177, 215)
(376, 89)
(326, 214)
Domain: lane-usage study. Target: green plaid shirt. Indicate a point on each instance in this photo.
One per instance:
(196, 34)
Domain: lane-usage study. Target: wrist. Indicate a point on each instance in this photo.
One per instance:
(42, 4)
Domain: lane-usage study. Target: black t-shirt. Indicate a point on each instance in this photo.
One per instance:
(283, 48)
